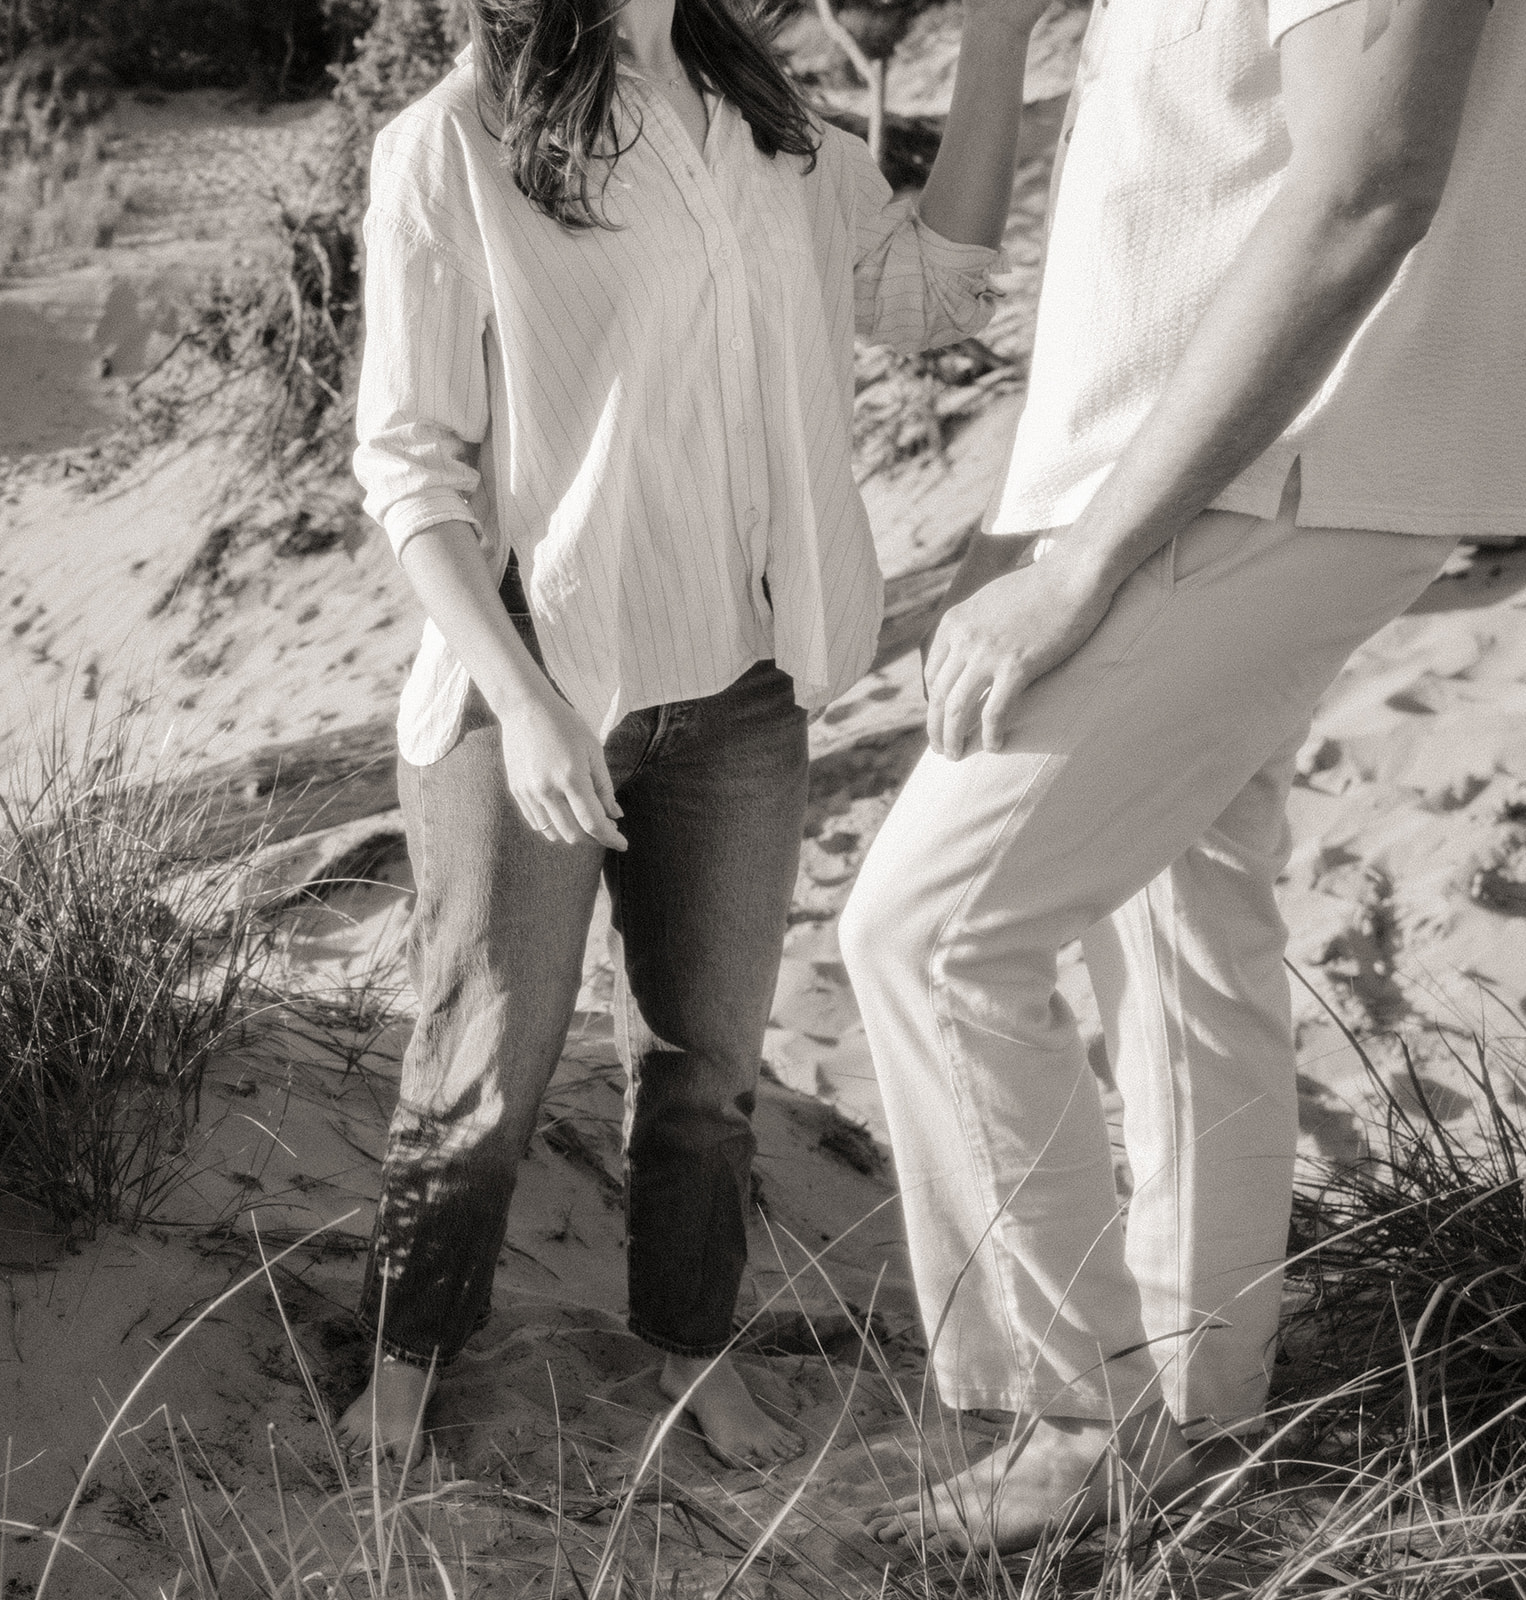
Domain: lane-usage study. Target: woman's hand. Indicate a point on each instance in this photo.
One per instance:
(556, 772)
(554, 765)
(993, 645)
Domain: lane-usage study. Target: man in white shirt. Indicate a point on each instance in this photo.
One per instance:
(1279, 368)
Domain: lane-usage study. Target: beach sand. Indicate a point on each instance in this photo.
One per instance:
(192, 593)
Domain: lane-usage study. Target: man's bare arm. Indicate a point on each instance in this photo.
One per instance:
(1374, 115)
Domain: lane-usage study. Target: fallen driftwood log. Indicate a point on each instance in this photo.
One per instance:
(282, 791)
(332, 780)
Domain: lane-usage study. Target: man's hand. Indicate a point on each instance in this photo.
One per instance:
(991, 646)
(557, 775)
(1373, 114)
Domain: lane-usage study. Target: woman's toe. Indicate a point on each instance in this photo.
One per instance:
(948, 1541)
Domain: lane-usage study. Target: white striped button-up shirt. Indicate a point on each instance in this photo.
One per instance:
(654, 418)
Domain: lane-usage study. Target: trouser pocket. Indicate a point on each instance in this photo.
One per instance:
(1212, 543)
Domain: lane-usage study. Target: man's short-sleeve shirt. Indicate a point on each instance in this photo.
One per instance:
(1174, 143)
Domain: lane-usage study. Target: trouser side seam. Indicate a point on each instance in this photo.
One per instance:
(976, 1149)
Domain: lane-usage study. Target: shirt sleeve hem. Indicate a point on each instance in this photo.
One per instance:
(956, 257)
(1284, 15)
(413, 515)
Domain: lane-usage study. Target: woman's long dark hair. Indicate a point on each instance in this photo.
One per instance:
(546, 80)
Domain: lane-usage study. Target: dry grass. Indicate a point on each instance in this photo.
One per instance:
(1395, 1466)
(265, 357)
(908, 406)
(1415, 1271)
(121, 976)
(1388, 1522)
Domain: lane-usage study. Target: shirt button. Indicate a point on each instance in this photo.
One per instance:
(744, 430)
(736, 343)
(725, 252)
(752, 516)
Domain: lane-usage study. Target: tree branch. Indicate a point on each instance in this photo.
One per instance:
(870, 70)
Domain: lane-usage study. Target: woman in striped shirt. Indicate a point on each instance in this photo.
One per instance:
(614, 271)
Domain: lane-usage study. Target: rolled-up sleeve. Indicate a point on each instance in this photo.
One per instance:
(1282, 15)
(422, 409)
(912, 288)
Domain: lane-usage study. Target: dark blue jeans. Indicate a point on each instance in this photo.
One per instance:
(713, 792)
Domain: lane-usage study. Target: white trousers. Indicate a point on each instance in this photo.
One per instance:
(1139, 804)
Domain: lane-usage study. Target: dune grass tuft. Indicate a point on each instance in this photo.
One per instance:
(1394, 1465)
(1414, 1260)
(122, 974)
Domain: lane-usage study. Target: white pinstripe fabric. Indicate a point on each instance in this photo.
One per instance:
(654, 417)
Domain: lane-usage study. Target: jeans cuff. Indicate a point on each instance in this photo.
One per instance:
(401, 1352)
(678, 1347)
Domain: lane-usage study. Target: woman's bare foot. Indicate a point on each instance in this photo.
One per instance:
(734, 1429)
(1055, 1475)
(394, 1403)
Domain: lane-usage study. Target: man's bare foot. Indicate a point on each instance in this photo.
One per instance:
(394, 1403)
(1056, 1475)
(734, 1429)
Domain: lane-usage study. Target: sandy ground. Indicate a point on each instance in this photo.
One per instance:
(197, 598)
(552, 1398)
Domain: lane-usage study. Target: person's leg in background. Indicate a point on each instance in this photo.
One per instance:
(700, 902)
(1208, 665)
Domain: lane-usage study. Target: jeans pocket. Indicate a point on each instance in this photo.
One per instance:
(524, 626)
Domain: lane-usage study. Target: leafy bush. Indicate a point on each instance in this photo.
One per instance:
(266, 352)
(408, 48)
(56, 190)
(121, 975)
(66, 199)
(405, 52)
(49, 95)
(277, 47)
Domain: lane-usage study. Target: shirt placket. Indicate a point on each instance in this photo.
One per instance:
(736, 346)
